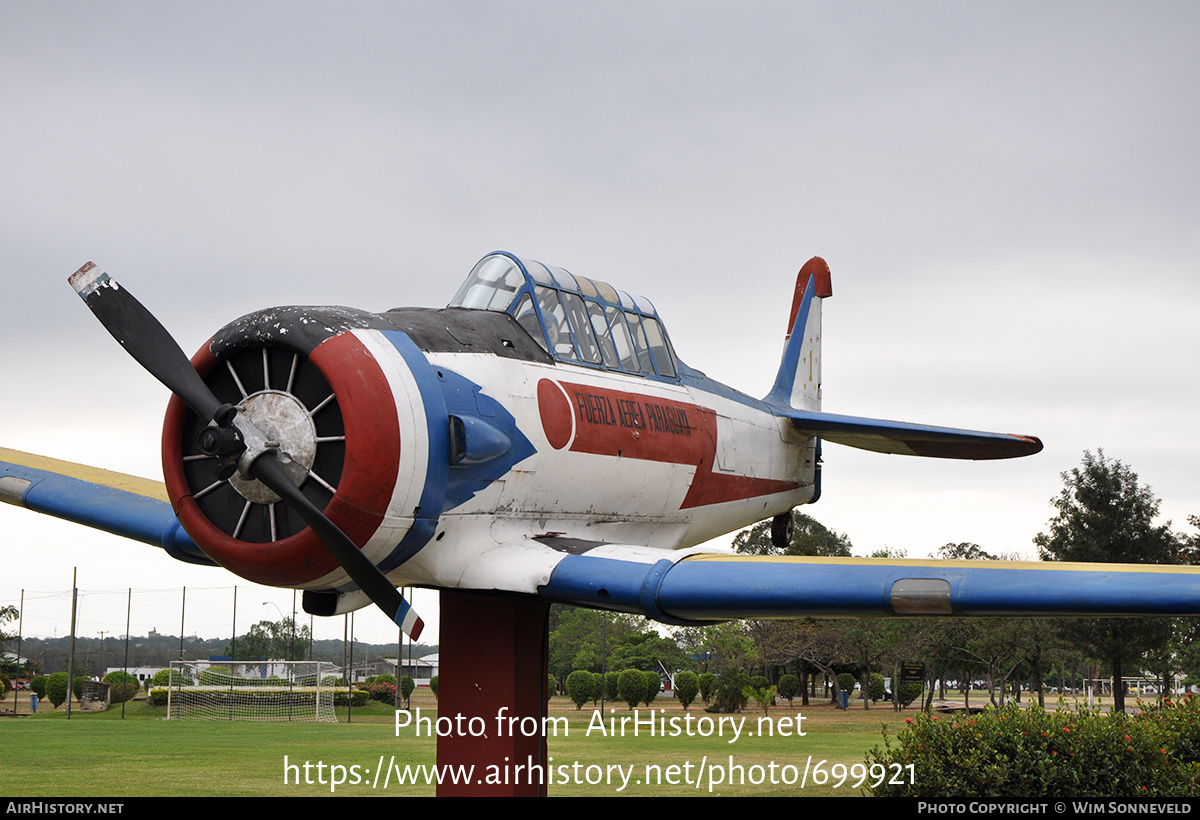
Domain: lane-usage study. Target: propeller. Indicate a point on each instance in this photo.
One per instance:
(240, 444)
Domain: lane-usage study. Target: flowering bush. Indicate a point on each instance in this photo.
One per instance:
(382, 692)
(1013, 752)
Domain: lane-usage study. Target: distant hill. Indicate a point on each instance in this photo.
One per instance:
(160, 650)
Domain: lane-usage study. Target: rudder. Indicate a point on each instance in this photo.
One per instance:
(798, 383)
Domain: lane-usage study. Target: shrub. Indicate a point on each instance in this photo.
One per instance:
(407, 685)
(764, 696)
(759, 681)
(1015, 752)
(215, 676)
(875, 687)
(909, 692)
(56, 688)
(708, 682)
(687, 686)
(382, 692)
(341, 697)
(38, 685)
(653, 686)
(789, 687)
(631, 687)
(580, 686)
(5, 684)
(77, 686)
(166, 677)
(730, 693)
(597, 686)
(386, 679)
(433, 684)
(551, 687)
(124, 686)
(612, 685)
(846, 683)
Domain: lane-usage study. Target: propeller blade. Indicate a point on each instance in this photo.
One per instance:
(370, 580)
(144, 338)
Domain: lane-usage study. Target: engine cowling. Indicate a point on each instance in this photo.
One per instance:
(344, 395)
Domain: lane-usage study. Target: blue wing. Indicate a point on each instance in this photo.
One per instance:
(122, 504)
(677, 587)
(720, 587)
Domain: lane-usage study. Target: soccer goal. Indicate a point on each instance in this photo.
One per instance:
(251, 690)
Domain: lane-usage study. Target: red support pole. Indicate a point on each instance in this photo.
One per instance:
(493, 665)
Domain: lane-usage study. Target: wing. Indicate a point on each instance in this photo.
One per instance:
(122, 504)
(904, 438)
(721, 587)
(673, 587)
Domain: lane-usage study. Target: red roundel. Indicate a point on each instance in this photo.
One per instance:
(558, 418)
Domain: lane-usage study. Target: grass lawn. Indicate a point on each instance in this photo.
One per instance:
(104, 756)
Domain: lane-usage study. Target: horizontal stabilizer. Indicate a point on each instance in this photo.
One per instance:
(903, 438)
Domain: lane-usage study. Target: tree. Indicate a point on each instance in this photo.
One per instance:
(7, 613)
(729, 647)
(789, 687)
(965, 552)
(687, 686)
(56, 688)
(763, 695)
(612, 685)
(809, 537)
(272, 640)
(653, 686)
(1105, 515)
(631, 687)
(875, 687)
(580, 685)
(647, 651)
(124, 686)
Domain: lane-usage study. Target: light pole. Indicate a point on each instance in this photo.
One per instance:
(291, 631)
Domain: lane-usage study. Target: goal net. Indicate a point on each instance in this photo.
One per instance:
(251, 690)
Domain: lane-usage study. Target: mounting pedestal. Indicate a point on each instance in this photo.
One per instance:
(494, 661)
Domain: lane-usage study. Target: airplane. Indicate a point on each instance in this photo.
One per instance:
(538, 440)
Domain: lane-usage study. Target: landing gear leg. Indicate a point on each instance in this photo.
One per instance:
(781, 530)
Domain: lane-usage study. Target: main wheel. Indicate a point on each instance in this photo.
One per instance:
(781, 530)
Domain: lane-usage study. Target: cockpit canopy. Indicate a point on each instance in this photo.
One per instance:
(574, 319)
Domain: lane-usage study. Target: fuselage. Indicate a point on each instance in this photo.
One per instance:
(549, 416)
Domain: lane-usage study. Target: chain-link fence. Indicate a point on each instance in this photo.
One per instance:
(142, 631)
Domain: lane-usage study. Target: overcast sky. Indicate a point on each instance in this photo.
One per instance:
(1007, 195)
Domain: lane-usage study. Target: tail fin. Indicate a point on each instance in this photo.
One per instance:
(798, 383)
